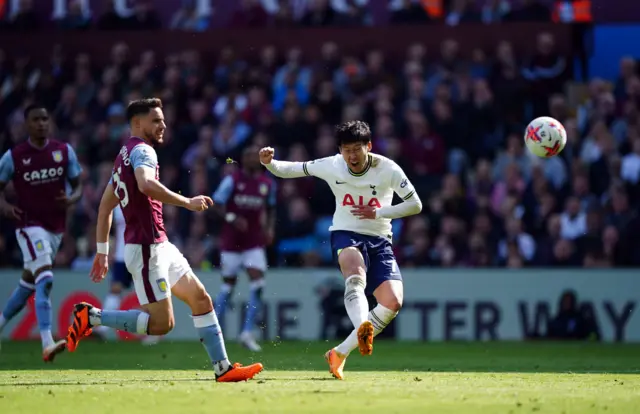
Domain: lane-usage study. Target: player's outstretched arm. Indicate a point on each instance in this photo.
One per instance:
(149, 186)
(108, 202)
(289, 169)
(145, 163)
(281, 169)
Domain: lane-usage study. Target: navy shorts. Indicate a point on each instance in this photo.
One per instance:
(379, 260)
(120, 274)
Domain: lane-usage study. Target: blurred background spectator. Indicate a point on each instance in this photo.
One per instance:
(453, 121)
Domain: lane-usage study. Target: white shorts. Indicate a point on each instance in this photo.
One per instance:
(232, 262)
(39, 247)
(155, 269)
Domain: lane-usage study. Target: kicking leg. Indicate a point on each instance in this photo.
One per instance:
(154, 319)
(18, 298)
(150, 274)
(190, 290)
(389, 296)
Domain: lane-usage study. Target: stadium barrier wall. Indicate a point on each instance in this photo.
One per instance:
(249, 42)
(439, 304)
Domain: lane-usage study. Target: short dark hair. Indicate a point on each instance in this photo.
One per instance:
(353, 132)
(142, 107)
(32, 107)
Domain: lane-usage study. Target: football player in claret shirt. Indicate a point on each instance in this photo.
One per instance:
(363, 184)
(247, 198)
(158, 268)
(40, 169)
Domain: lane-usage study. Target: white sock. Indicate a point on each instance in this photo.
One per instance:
(355, 300)
(47, 338)
(95, 317)
(3, 322)
(379, 316)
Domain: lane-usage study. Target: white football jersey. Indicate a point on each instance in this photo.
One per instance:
(119, 224)
(374, 187)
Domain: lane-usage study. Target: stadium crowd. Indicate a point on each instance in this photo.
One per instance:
(455, 125)
(200, 15)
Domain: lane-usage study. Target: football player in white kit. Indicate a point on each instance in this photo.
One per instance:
(363, 184)
(121, 279)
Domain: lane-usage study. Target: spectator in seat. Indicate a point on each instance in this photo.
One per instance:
(188, 19)
(573, 220)
(75, 18)
(350, 12)
(145, 17)
(494, 11)
(526, 245)
(545, 72)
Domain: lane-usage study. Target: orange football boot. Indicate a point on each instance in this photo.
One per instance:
(81, 326)
(336, 363)
(50, 352)
(365, 338)
(238, 373)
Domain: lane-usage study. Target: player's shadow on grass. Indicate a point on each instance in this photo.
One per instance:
(417, 357)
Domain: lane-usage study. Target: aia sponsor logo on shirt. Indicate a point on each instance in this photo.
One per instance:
(350, 200)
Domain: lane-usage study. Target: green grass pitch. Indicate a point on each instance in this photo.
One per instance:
(516, 378)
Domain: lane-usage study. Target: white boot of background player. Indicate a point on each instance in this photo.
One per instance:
(247, 340)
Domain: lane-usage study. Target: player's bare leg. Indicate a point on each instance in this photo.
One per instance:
(190, 290)
(154, 319)
(355, 301)
(254, 305)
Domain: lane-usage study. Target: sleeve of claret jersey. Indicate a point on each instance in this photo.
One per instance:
(6, 167)
(224, 190)
(143, 156)
(411, 203)
(320, 168)
(74, 169)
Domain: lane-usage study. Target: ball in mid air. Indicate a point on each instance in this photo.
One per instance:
(545, 137)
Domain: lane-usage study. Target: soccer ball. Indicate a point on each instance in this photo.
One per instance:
(545, 137)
